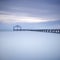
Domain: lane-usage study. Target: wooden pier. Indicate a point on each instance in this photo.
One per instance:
(18, 28)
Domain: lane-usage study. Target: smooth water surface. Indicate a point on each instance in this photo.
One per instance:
(25, 45)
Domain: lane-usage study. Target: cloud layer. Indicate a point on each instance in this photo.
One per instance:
(29, 10)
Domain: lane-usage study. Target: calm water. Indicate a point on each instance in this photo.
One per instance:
(29, 46)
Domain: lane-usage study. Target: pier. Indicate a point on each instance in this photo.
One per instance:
(18, 28)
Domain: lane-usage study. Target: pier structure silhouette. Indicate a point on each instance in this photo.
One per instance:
(19, 28)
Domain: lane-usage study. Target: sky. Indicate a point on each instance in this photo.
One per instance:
(31, 11)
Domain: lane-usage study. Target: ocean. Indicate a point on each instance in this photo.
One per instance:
(26, 45)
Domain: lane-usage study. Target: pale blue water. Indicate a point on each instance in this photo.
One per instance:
(25, 45)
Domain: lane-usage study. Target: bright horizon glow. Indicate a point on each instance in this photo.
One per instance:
(15, 18)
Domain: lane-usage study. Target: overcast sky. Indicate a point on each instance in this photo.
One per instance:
(29, 10)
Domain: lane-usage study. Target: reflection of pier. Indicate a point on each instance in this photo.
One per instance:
(18, 28)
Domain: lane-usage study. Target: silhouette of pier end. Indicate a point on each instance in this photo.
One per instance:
(18, 28)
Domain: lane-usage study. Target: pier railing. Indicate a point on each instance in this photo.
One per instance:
(40, 30)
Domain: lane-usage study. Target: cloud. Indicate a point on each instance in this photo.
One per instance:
(23, 17)
(29, 10)
(14, 18)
